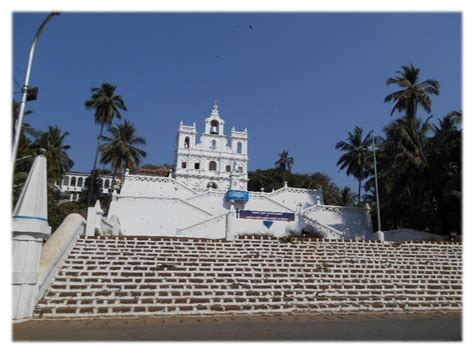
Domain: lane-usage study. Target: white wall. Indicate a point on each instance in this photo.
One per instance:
(161, 206)
(256, 226)
(353, 222)
(410, 234)
(291, 197)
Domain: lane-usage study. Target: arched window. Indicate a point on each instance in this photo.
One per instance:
(213, 144)
(79, 181)
(73, 181)
(66, 181)
(212, 165)
(239, 147)
(212, 185)
(107, 183)
(186, 142)
(214, 127)
(227, 168)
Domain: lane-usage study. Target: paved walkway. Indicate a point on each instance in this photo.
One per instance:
(396, 327)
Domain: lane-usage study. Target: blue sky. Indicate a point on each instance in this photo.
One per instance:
(296, 81)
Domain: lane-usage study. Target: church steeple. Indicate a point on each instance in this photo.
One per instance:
(214, 123)
(215, 109)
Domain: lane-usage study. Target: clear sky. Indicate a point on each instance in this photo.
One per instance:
(296, 81)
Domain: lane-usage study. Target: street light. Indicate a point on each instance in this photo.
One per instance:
(379, 233)
(27, 91)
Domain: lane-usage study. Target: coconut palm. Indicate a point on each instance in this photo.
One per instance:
(107, 106)
(52, 141)
(347, 197)
(120, 149)
(284, 163)
(356, 157)
(412, 94)
(27, 129)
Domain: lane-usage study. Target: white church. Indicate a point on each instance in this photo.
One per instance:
(207, 197)
(210, 162)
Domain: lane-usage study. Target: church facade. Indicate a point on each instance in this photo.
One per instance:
(212, 161)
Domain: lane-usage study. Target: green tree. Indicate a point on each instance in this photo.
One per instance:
(284, 163)
(410, 96)
(120, 149)
(347, 197)
(444, 156)
(106, 106)
(53, 142)
(356, 157)
(27, 129)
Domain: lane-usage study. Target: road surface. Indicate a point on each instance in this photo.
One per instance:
(302, 327)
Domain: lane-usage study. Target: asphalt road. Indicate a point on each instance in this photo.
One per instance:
(297, 327)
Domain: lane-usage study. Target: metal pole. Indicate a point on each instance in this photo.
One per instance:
(376, 186)
(19, 122)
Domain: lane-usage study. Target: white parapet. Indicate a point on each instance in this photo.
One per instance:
(30, 230)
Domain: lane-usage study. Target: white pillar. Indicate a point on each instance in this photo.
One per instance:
(229, 222)
(30, 230)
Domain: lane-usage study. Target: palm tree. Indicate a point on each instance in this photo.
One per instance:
(26, 127)
(52, 141)
(411, 95)
(356, 157)
(347, 197)
(284, 163)
(107, 106)
(120, 149)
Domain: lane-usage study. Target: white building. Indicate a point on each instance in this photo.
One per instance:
(208, 197)
(73, 184)
(212, 161)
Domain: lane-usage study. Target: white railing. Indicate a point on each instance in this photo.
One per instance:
(178, 199)
(197, 226)
(157, 179)
(331, 208)
(295, 191)
(56, 249)
(278, 203)
(207, 193)
(326, 230)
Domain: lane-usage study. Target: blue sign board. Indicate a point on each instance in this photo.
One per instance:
(267, 215)
(237, 195)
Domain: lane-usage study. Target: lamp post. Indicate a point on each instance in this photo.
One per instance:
(379, 233)
(25, 88)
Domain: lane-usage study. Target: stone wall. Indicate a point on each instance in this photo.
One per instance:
(149, 276)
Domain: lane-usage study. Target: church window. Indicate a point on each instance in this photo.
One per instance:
(212, 185)
(186, 142)
(107, 183)
(79, 181)
(214, 144)
(196, 166)
(241, 170)
(73, 181)
(212, 165)
(239, 147)
(66, 181)
(214, 127)
(227, 168)
(183, 165)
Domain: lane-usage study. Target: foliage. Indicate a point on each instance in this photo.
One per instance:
(106, 106)
(347, 197)
(270, 179)
(284, 164)
(418, 161)
(356, 157)
(120, 149)
(52, 142)
(96, 193)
